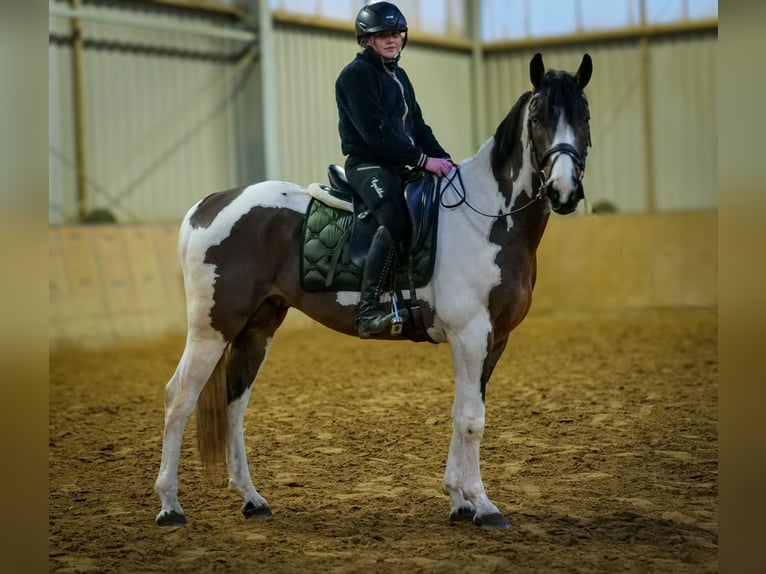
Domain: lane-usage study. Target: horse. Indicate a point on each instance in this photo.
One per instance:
(239, 251)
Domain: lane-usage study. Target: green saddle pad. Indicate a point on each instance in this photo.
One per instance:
(325, 249)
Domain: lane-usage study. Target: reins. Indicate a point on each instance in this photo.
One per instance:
(464, 197)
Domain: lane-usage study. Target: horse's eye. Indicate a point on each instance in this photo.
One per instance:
(535, 120)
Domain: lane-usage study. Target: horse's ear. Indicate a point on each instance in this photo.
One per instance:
(536, 71)
(582, 76)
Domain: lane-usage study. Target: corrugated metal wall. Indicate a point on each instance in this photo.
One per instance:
(308, 63)
(159, 122)
(442, 81)
(683, 105)
(166, 127)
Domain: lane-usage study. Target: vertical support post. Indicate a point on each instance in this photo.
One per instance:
(478, 93)
(646, 104)
(79, 116)
(578, 16)
(268, 90)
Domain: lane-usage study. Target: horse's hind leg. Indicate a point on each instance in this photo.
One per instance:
(248, 354)
(197, 363)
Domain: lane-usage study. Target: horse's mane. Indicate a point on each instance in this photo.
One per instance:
(506, 135)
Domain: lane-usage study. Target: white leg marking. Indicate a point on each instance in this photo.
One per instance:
(462, 477)
(240, 481)
(181, 393)
(239, 472)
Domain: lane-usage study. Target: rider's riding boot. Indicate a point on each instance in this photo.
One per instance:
(370, 320)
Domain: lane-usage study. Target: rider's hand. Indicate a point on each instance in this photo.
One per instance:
(438, 166)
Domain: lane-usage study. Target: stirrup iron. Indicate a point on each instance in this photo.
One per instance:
(396, 322)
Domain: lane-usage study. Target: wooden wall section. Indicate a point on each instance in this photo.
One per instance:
(618, 262)
(114, 283)
(110, 284)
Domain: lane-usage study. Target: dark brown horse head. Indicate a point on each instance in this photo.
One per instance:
(559, 131)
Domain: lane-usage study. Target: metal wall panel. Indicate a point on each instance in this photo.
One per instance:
(308, 63)
(168, 125)
(159, 131)
(685, 122)
(442, 81)
(61, 165)
(683, 108)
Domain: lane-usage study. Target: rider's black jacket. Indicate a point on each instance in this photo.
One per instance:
(379, 118)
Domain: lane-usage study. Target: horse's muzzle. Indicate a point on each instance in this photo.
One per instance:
(570, 204)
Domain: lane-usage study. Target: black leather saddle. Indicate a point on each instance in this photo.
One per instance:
(421, 195)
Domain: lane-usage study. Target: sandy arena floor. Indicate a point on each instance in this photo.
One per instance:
(601, 447)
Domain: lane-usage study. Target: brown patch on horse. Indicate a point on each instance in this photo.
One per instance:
(261, 242)
(507, 146)
(509, 302)
(265, 243)
(212, 205)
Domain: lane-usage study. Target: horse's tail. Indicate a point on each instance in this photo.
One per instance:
(212, 419)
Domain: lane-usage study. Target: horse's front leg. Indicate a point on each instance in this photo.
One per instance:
(473, 357)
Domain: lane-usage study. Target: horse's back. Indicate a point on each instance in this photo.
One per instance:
(221, 210)
(212, 219)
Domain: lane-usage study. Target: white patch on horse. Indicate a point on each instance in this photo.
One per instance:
(351, 298)
(347, 298)
(523, 181)
(563, 166)
(465, 271)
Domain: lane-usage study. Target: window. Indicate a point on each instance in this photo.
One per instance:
(434, 17)
(519, 19)
(516, 19)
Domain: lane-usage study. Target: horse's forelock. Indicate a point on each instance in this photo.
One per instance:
(559, 92)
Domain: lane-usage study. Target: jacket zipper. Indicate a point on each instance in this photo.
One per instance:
(406, 107)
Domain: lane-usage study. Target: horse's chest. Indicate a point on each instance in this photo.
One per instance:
(466, 270)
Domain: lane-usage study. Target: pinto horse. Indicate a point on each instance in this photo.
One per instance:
(240, 253)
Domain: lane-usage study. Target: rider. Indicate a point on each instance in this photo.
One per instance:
(383, 133)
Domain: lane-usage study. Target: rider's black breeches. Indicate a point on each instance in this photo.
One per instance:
(380, 186)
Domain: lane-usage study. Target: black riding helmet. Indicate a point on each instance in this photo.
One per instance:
(380, 17)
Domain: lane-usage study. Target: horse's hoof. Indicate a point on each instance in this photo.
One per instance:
(494, 520)
(250, 510)
(171, 518)
(463, 514)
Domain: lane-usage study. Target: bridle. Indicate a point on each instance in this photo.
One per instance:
(560, 148)
(545, 179)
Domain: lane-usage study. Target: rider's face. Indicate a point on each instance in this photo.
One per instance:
(386, 44)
